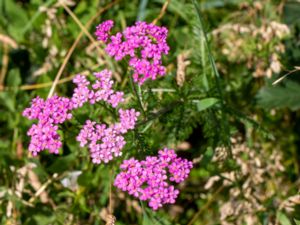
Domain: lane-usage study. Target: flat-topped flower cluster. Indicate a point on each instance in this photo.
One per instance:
(106, 142)
(49, 113)
(143, 43)
(101, 90)
(149, 179)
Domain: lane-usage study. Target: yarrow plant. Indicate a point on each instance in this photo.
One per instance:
(144, 44)
(150, 179)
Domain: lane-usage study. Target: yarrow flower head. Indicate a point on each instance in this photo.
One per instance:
(44, 136)
(106, 142)
(49, 113)
(148, 179)
(103, 29)
(144, 43)
(101, 90)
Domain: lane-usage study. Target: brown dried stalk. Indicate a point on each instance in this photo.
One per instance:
(182, 63)
(5, 60)
(162, 12)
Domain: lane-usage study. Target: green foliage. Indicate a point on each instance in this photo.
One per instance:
(280, 96)
(282, 218)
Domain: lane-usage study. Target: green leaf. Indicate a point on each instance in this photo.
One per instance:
(146, 220)
(13, 78)
(150, 220)
(206, 103)
(291, 14)
(287, 96)
(8, 101)
(35, 17)
(85, 179)
(283, 219)
(44, 219)
(82, 201)
(153, 218)
(297, 222)
(16, 18)
(218, 4)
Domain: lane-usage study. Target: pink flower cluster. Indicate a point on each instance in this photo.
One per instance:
(56, 110)
(49, 113)
(148, 179)
(101, 90)
(144, 43)
(107, 142)
(103, 29)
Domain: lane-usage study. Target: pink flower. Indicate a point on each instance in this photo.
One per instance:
(144, 44)
(128, 118)
(103, 29)
(148, 179)
(116, 98)
(104, 142)
(101, 90)
(44, 136)
(49, 113)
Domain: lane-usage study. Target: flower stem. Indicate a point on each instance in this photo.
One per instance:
(138, 96)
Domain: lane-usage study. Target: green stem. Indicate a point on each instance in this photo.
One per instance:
(132, 85)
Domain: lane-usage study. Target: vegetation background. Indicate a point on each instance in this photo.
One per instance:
(230, 102)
